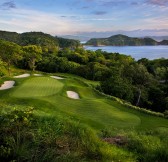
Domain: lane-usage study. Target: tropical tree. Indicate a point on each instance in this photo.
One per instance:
(2, 65)
(139, 76)
(10, 53)
(119, 87)
(32, 54)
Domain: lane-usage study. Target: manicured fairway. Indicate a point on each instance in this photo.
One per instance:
(38, 87)
(94, 112)
(92, 109)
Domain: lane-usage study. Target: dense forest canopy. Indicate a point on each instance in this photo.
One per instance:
(123, 40)
(143, 83)
(40, 39)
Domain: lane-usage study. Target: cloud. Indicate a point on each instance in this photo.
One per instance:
(158, 2)
(112, 2)
(85, 7)
(134, 3)
(89, 0)
(132, 33)
(8, 5)
(99, 12)
(23, 20)
(100, 18)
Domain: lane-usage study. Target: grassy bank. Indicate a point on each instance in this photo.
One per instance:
(62, 129)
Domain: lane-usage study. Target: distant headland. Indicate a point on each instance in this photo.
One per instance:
(123, 40)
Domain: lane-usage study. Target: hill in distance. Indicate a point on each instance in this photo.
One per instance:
(81, 38)
(159, 38)
(38, 38)
(123, 40)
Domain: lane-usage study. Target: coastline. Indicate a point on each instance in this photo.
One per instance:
(137, 52)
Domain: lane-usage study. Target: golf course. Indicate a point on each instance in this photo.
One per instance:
(97, 115)
(91, 108)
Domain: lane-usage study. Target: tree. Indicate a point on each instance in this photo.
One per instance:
(10, 52)
(32, 55)
(166, 103)
(119, 87)
(157, 98)
(76, 57)
(2, 65)
(139, 76)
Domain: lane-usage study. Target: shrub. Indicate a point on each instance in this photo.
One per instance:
(148, 146)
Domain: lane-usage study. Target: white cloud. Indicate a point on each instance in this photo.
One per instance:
(30, 20)
(24, 20)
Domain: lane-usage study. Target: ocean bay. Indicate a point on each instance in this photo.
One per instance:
(137, 52)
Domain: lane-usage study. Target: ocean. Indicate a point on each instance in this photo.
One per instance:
(137, 52)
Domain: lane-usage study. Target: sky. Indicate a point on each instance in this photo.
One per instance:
(85, 17)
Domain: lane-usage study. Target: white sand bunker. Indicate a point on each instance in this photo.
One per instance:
(37, 74)
(56, 77)
(7, 85)
(72, 94)
(22, 76)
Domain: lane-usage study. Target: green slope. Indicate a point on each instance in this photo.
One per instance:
(91, 109)
(38, 87)
(64, 129)
(121, 40)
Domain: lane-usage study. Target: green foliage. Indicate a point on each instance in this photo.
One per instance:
(9, 36)
(32, 54)
(47, 42)
(2, 66)
(68, 43)
(148, 146)
(62, 129)
(76, 57)
(118, 87)
(26, 137)
(9, 53)
(13, 127)
(121, 40)
(136, 78)
(94, 71)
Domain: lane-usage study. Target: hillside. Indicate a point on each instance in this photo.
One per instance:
(57, 128)
(159, 38)
(122, 40)
(38, 38)
(72, 104)
(163, 42)
(81, 38)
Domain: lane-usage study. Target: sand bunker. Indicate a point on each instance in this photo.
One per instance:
(72, 94)
(37, 74)
(7, 85)
(22, 76)
(56, 77)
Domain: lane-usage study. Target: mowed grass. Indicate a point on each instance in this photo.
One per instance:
(38, 87)
(92, 109)
(80, 123)
(94, 113)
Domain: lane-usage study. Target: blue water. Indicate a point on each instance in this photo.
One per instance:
(137, 52)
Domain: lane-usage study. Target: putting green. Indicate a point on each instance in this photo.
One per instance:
(92, 108)
(38, 87)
